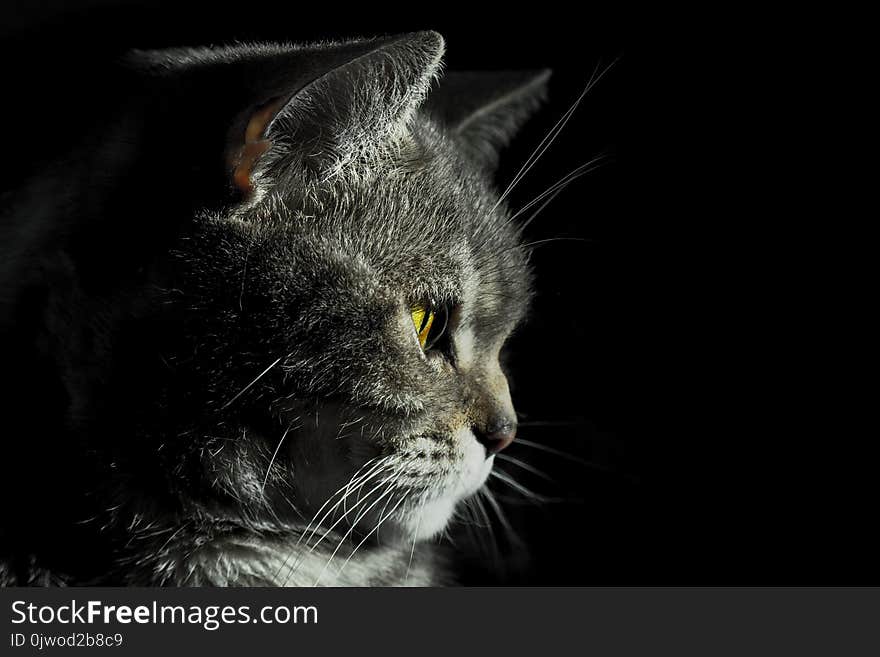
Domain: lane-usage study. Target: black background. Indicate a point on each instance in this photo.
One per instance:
(639, 360)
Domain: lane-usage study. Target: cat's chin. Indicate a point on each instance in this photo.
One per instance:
(426, 519)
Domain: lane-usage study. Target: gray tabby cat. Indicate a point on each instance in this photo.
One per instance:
(261, 303)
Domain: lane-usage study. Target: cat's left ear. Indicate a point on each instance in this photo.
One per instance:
(487, 108)
(363, 98)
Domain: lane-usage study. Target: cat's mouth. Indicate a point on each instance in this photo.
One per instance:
(350, 469)
(412, 489)
(425, 519)
(433, 489)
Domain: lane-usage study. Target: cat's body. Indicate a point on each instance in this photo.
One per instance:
(210, 303)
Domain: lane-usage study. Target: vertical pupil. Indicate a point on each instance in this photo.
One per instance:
(426, 317)
(422, 319)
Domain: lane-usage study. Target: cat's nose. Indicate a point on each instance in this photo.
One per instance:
(497, 435)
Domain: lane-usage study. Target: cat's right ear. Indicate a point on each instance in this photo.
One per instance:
(487, 108)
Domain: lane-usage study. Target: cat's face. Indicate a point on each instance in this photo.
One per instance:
(343, 324)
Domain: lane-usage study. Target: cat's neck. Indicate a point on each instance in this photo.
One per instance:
(260, 561)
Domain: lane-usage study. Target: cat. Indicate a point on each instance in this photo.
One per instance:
(253, 306)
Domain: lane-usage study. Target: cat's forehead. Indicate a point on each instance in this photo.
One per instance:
(421, 200)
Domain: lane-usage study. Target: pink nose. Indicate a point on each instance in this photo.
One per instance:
(499, 436)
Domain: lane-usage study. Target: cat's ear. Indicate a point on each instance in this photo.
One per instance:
(487, 108)
(365, 97)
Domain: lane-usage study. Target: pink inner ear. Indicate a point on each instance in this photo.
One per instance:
(255, 144)
(247, 159)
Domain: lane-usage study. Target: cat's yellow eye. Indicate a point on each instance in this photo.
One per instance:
(423, 319)
(430, 320)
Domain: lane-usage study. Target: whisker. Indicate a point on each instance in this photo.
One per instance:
(292, 506)
(317, 513)
(415, 536)
(355, 478)
(525, 466)
(526, 492)
(570, 457)
(350, 531)
(364, 540)
(349, 510)
(521, 229)
(551, 191)
(551, 423)
(568, 178)
(312, 548)
(529, 245)
(250, 385)
(272, 460)
(552, 134)
(512, 537)
(493, 548)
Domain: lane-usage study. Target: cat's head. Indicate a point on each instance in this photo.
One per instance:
(335, 331)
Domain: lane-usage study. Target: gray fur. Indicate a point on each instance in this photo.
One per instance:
(268, 356)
